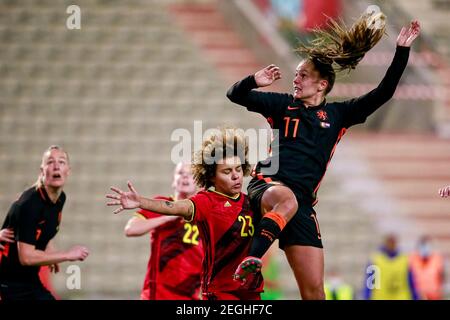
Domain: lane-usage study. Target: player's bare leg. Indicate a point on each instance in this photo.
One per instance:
(307, 263)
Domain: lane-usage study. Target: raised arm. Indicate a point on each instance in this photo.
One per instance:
(132, 200)
(360, 108)
(408, 35)
(262, 78)
(265, 77)
(265, 103)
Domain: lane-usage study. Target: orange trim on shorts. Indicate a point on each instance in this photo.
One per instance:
(277, 218)
(261, 177)
(319, 236)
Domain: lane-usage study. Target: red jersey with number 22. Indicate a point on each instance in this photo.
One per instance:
(173, 271)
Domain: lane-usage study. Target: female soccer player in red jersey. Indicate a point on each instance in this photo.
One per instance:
(173, 271)
(222, 213)
(309, 129)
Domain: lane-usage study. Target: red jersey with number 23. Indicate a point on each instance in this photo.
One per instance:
(226, 228)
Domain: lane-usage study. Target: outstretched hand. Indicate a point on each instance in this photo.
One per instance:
(265, 77)
(408, 35)
(125, 200)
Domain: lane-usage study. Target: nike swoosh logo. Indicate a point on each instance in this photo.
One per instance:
(293, 108)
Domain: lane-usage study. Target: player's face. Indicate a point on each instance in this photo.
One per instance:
(229, 176)
(183, 182)
(390, 243)
(307, 82)
(55, 168)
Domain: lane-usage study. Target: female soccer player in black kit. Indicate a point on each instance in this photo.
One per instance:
(309, 129)
(32, 222)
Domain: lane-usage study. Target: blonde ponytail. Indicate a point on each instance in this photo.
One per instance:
(344, 48)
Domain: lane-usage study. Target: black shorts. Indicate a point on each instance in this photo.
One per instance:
(12, 290)
(303, 229)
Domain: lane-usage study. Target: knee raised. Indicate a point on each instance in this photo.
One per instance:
(282, 200)
(292, 205)
(288, 206)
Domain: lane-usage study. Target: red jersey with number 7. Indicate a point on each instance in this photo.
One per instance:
(174, 267)
(226, 227)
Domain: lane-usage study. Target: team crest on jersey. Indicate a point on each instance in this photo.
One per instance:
(322, 115)
(227, 204)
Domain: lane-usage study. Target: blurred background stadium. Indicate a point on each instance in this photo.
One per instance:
(112, 93)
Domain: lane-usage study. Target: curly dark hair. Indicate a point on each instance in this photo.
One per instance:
(223, 142)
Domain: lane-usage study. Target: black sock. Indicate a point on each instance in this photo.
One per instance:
(266, 233)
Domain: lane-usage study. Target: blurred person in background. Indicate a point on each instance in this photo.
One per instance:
(296, 19)
(308, 129)
(389, 275)
(336, 288)
(173, 270)
(428, 270)
(287, 15)
(32, 222)
(317, 12)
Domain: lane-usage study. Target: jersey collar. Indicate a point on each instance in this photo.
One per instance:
(235, 198)
(299, 103)
(44, 196)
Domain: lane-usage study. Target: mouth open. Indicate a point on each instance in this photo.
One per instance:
(56, 176)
